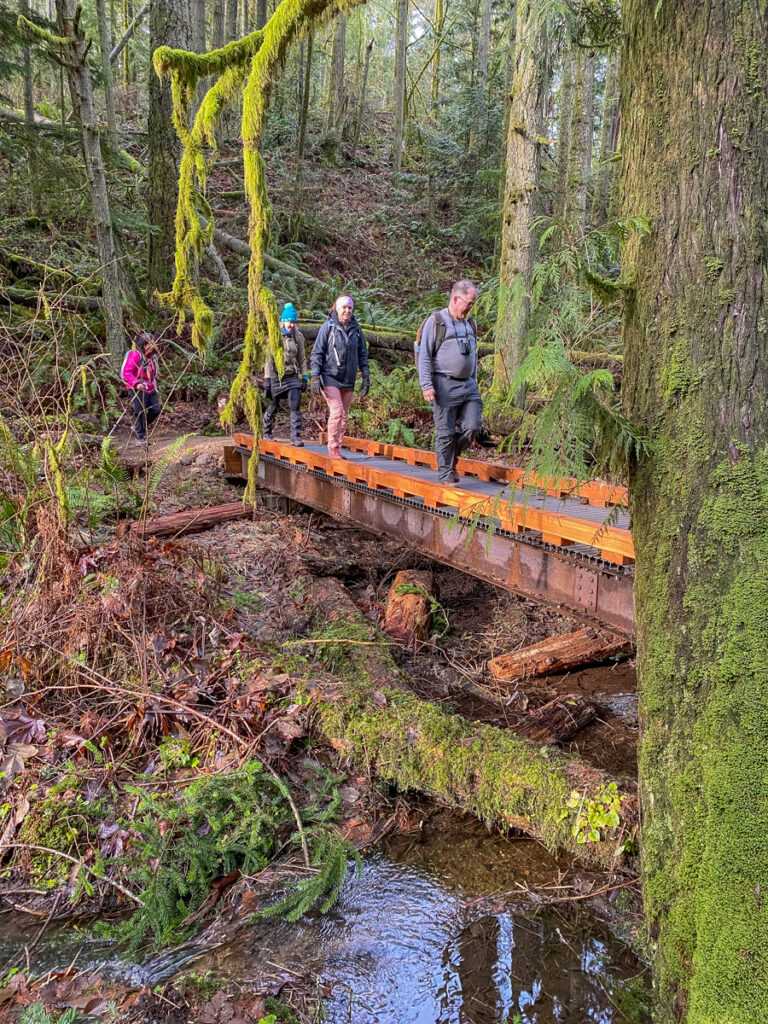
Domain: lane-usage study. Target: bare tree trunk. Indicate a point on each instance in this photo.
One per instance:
(439, 22)
(336, 100)
(261, 13)
(580, 156)
(399, 97)
(128, 22)
(607, 165)
(231, 20)
(297, 196)
(68, 15)
(481, 84)
(564, 117)
(105, 46)
(169, 25)
(29, 116)
(361, 107)
(128, 33)
(523, 168)
(217, 32)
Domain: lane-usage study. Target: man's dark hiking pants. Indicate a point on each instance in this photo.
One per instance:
(458, 412)
(146, 409)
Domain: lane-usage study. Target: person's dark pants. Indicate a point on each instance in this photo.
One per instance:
(458, 413)
(294, 402)
(146, 409)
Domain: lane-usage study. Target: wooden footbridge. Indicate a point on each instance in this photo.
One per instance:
(557, 542)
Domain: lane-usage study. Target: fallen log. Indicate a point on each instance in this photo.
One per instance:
(371, 716)
(408, 615)
(559, 654)
(559, 720)
(186, 522)
(74, 303)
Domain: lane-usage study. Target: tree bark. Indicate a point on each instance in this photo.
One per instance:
(105, 47)
(564, 117)
(408, 615)
(128, 33)
(231, 20)
(558, 654)
(194, 521)
(401, 34)
(29, 116)
(694, 123)
(435, 82)
(481, 85)
(580, 151)
(361, 106)
(217, 27)
(261, 13)
(169, 25)
(523, 169)
(336, 101)
(303, 117)
(605, 172)
(68, 15)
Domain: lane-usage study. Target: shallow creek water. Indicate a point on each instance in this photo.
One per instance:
(426, 935)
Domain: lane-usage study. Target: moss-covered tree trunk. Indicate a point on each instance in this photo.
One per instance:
(169, 25)
(523, 169)
(336, 101)
(564, 115)
(401, 49)
(608, 130)
(105, 48)
(695, 150)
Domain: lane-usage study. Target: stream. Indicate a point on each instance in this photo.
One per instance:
(429, 933)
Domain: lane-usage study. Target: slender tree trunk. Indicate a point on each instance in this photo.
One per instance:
(261, 13)
(435, 83)
(29, 116)
(361, 107)
(399, 97)
(695, 125)
(523, 168)
(300, 78)
(336, 100)
(481, 87)
(605, 173)
(169, 25)
(580, 154)
(564, 118)
(68, 15)
(105, 46)
(303, 117)
(127, 61)
(128, 34)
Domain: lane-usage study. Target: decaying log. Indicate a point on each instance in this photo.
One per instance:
(370, 714)
(187, 522)
(559, 654)
(558, 720)
(408, 615)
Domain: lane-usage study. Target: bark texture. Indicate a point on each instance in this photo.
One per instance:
(608, 140)
(169, 25)
(523, 170)
(580, 150)
(694, 127)
(399, 87)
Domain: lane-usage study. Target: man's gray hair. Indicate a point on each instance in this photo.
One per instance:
(463, 288)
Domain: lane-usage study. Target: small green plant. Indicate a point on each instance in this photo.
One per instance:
(601, 812)
(37, 1014)
(174, 753)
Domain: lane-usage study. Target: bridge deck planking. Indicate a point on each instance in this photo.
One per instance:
(565, 521)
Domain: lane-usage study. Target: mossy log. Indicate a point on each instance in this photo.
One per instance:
(408, 614)
(372, 718)
(75, 303)
(558, 720)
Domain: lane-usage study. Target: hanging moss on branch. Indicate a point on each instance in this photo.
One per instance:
(194, 221)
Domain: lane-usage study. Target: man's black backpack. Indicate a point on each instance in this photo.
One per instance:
(440, 331)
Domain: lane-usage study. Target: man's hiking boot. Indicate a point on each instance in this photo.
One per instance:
(452, 477)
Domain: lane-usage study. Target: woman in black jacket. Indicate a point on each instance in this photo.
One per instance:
(339, 351)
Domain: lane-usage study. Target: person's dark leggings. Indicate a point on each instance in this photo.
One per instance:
(146, 409)
(294, 401)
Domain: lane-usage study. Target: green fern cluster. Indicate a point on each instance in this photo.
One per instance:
(219, 824)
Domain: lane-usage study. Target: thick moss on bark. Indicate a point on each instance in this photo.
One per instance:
(695, 123)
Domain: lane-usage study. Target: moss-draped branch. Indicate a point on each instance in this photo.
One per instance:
(245, 66)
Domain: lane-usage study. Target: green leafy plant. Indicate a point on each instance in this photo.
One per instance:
(602, 811)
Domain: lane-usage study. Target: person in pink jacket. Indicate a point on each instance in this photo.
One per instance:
(138, 372)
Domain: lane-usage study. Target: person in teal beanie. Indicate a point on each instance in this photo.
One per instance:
(294, 379)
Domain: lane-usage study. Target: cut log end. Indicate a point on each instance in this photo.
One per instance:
(408, 615)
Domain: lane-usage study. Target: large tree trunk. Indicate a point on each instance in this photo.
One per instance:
(399, 91)
(695, 125)
(605, 173)
(169, 25)
(523, 166)
(68, 15)
(580, 153)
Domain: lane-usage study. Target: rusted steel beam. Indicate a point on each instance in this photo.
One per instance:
(556, 527)
(588, 590)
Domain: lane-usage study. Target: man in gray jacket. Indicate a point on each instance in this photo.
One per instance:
(448, 378)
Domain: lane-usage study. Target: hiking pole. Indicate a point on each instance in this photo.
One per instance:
(117, 424)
